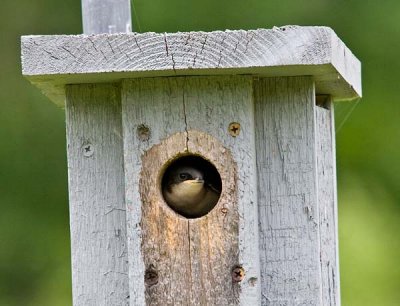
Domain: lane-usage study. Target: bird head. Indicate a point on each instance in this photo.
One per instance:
(185, 182)
(187, 189)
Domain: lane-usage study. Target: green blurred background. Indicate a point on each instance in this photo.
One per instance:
(34, 230)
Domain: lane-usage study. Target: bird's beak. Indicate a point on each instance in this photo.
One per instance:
(196, 181)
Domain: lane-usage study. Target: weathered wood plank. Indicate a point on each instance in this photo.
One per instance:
(193, 257)
(96, 195)
(327, 200)
(106, 16)
(146, 106)
(211, 104)
(198, 272)
(287, 194)
(52, 61)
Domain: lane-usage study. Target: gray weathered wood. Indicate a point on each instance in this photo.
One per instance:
(96, 195)
(198, 271)
(193, 258)
(106, 16)
(327, 200)
(50, 62)
(211, 104)
(289, 213)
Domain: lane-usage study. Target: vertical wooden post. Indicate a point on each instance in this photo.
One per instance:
(244, 102)
(106, 16)
(327, 199)
(296, 179)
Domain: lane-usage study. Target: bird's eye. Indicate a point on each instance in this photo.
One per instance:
(185, 176)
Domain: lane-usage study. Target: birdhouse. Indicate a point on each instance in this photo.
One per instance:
(201, 165)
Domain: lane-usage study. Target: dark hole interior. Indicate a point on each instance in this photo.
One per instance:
(191, 186)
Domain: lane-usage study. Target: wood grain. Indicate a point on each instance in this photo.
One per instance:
(211, 104)
(291, 194)
(96, 196)
(194, 257)
(287, 194)
(327, 200)
(50, 62)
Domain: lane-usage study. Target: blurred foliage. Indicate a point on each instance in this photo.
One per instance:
(34, 235)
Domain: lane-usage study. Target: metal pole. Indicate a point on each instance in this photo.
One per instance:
(106, 16)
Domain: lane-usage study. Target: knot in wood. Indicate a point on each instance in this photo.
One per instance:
(151, 276)
(143, 132)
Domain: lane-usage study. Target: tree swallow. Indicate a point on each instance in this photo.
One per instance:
(187, 192)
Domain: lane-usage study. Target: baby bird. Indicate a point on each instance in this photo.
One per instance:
(186, 191)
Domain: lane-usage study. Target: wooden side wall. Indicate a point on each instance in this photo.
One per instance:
(296, 194)
(96, 195)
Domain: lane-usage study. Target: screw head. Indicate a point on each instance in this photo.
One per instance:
(237, 274)
(234, 129)
(87, 150)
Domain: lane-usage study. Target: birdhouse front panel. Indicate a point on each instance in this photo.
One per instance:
(212, 255)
